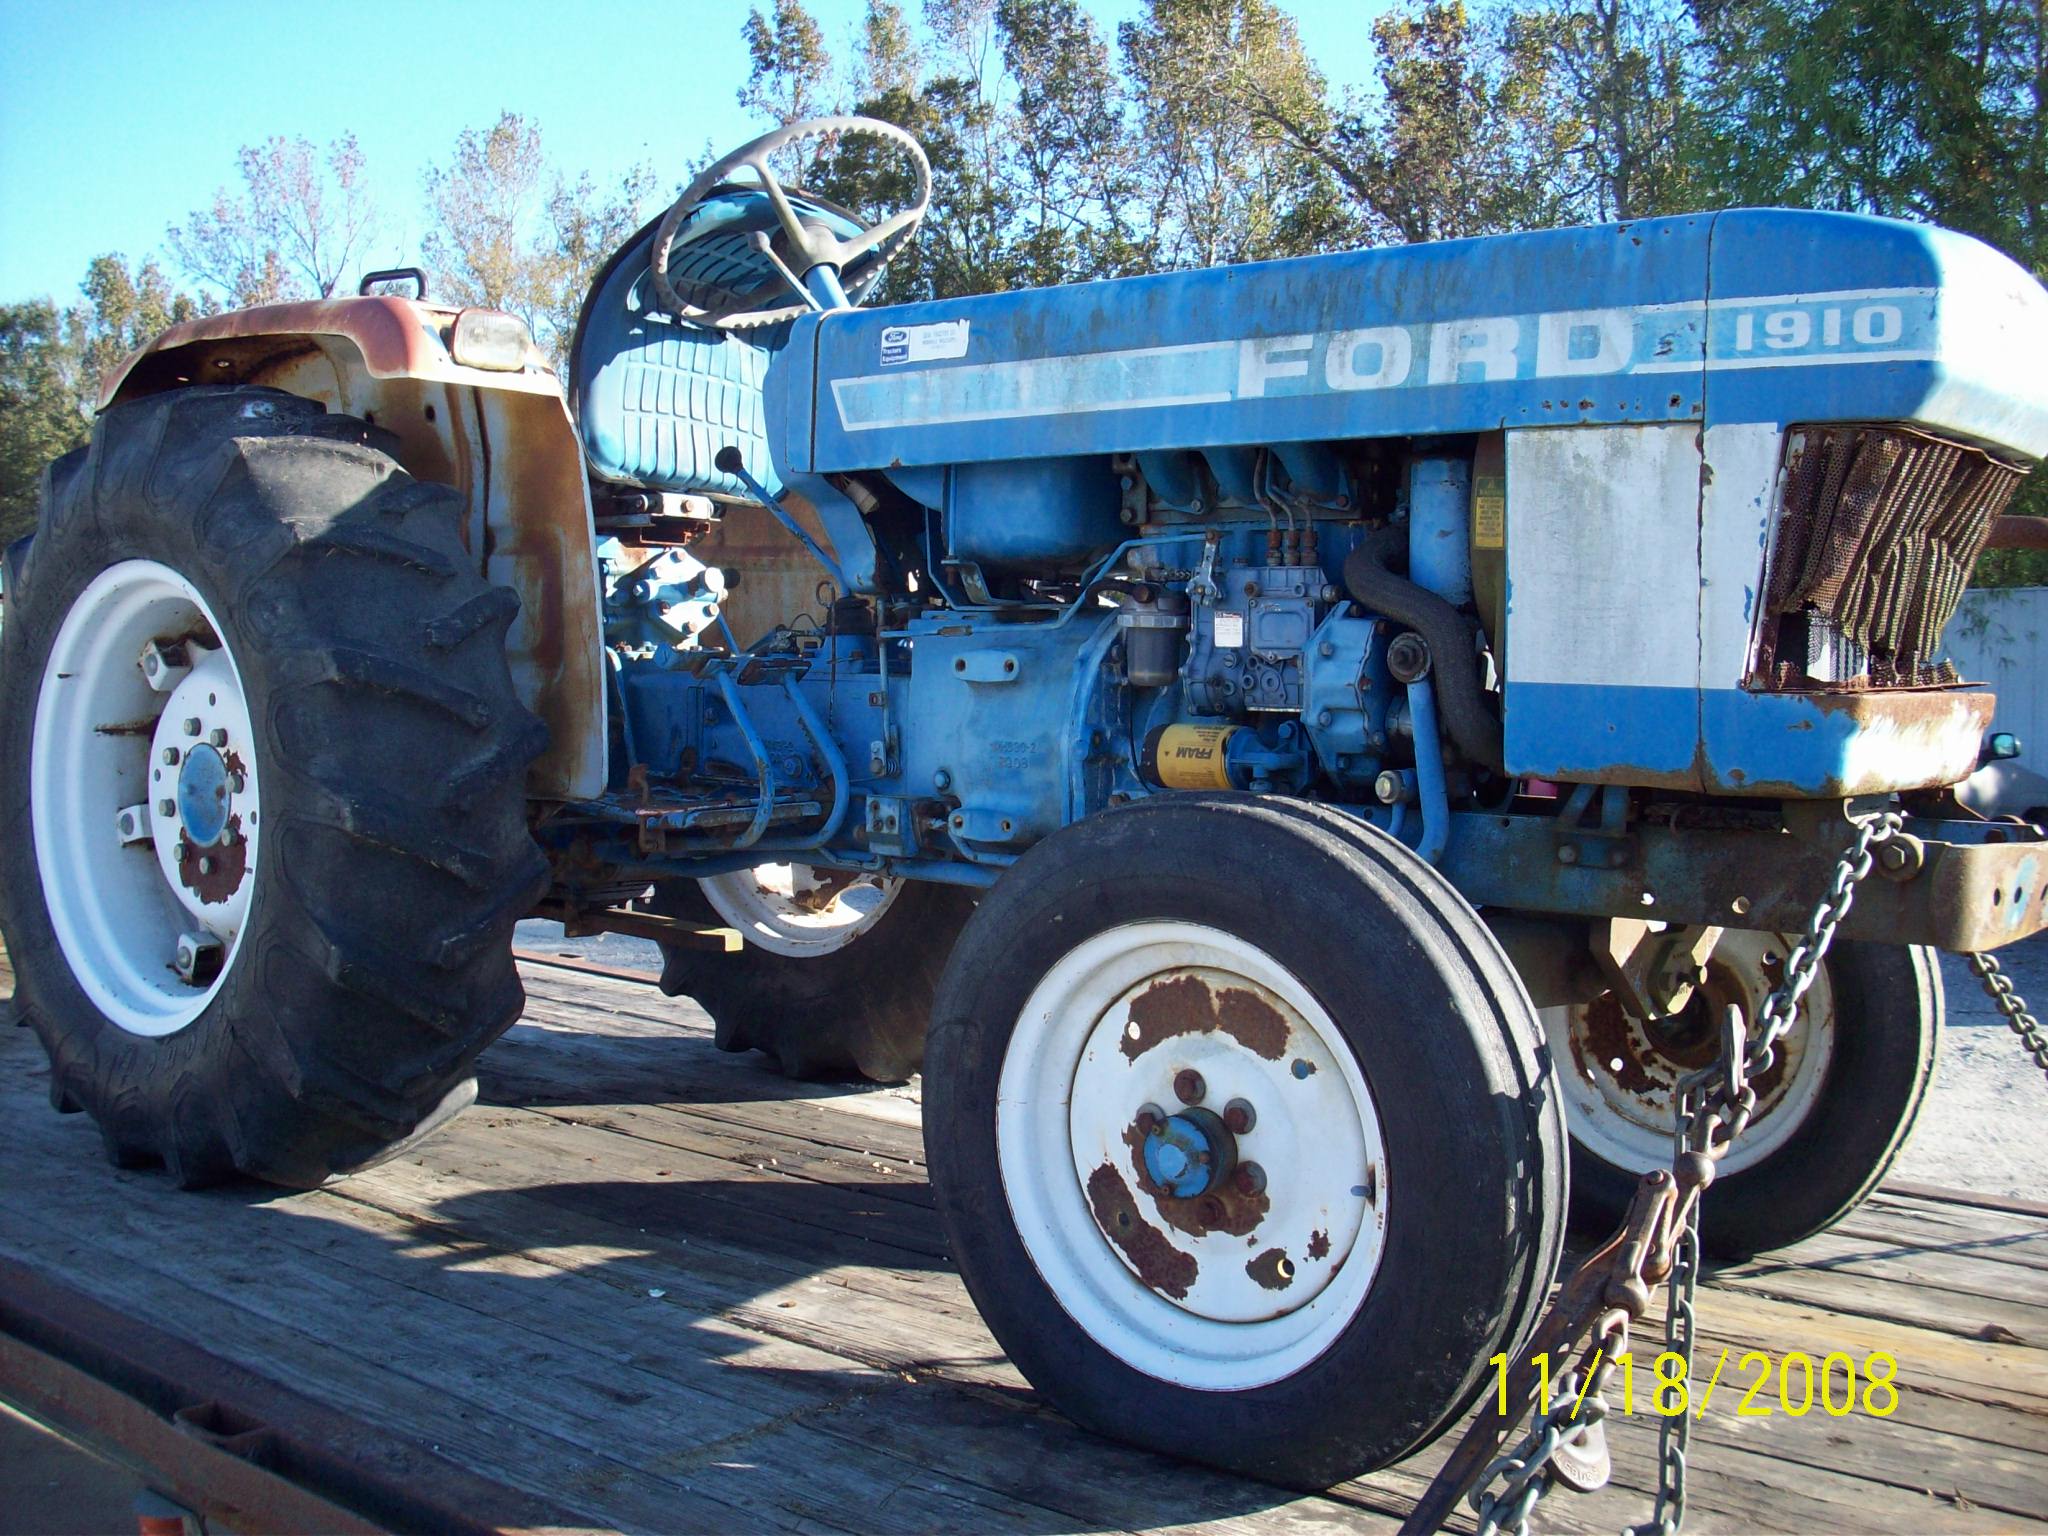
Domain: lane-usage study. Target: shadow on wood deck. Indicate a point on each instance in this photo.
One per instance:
(669, 1291)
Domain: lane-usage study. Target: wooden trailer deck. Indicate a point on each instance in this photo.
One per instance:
(665, 1290)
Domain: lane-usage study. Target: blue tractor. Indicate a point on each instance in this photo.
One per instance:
(1328, 747)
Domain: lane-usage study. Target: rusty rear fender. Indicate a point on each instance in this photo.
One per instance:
(504, 440)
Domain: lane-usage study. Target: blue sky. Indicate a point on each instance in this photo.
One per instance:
(118, 118)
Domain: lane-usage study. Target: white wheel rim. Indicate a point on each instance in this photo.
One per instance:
(795, 910)
(109, 752)
(1222, 1307)
(1618, 1083)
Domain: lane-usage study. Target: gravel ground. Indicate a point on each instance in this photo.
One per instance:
(1984, 1127)
(1985, 1124)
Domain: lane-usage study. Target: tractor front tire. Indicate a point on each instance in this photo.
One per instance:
(262, 821)
(1833, 1111)
(1243, 1137)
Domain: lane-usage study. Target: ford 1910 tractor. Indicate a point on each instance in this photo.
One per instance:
(1316, 760)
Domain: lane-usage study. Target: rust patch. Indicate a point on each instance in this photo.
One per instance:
(1252, 1022)
(1272, 1269)
(1609, 1039)
(127, 728)
(1226, 1209)
(1159, 1264)
(226, 864)
(1182, 1005)
(1319, 1245)
(1186, 1005)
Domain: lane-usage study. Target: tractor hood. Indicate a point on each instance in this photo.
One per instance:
(1750, 315)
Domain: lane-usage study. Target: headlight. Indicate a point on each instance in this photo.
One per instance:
(490, 338)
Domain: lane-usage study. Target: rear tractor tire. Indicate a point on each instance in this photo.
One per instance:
(1243, 1137)
(1833, 1111)
(835, 977)
(262, 821)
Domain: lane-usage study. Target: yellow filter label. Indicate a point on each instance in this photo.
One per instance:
(1192, 756)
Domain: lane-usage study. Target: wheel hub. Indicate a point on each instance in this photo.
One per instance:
(203, 792)
(203, 796)
(1619, 1072)
(1190, 1153)
(797, 911)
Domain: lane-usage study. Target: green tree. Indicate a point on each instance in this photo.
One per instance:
(1229, 107)
(1619, 80)
(1921, 109)
(39, 414)
(52, 365)
(790, 79)
(1465, 134)
(1073, 154)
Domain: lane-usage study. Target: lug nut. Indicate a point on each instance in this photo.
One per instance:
(217, 737)
(1151, 1120)
(167, 807)
(237, 783)
(1251, 1179)
(170, 757)
(198, 958)
(229, 837)
(1239, 1116)
(192, 726)
(205, 865)
(163, 666)
(1188, 1085)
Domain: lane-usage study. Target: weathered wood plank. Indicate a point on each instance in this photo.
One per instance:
(814, 1364)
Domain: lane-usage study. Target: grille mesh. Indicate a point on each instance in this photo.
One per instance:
(1878, 530)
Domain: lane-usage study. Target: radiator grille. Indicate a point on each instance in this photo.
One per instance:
(1878, 529)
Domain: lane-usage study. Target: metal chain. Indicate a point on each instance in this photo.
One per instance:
(1660, 1241)
(1710, 1109)
(2013, 1006)
(1527, 1468)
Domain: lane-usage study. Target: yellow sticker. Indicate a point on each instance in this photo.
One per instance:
(1489, 512)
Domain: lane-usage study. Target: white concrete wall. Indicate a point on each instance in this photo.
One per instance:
(1996, 637)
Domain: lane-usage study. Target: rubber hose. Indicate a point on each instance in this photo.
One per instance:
(1370, 580)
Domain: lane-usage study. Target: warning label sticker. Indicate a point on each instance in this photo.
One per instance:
(1489, 512)
(1229, 629)
(924, 343)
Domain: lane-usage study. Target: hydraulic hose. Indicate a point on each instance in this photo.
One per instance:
(1452, 638)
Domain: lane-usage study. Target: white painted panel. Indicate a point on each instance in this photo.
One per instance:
(1603, 528)
(1738, 502)
(1996, 638)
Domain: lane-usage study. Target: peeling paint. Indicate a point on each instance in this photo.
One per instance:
(1187, 1005)
(1272, 1269)
(1158, 1263)
(226, 865)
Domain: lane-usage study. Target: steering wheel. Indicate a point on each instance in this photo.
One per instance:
(860, 258)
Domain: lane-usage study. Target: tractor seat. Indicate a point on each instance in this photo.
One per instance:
(655, 398)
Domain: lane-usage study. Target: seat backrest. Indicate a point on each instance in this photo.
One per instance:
(656, 398)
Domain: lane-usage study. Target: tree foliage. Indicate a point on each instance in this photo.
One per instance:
(298, 229)
(508, 230)
(52, 363)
